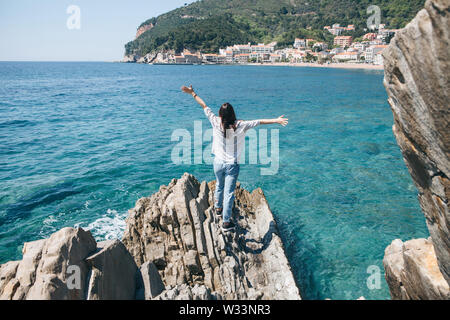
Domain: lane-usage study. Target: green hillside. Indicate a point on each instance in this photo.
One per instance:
(210, 24)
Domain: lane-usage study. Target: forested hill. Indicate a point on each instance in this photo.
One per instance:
(208, 25)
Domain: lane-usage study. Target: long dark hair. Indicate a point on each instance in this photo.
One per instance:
(228, 117)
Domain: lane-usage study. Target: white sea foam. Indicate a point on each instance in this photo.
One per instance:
(50, 220)
(110, 226)
(49, 225)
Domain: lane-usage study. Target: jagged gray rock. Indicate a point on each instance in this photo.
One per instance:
(67, 247)
(8, 284)
(113, 272)
(177, 243)
(185, 292)
(151, 281)
(412, 271)
(176, 230)
(417, 66)
(131, 58)
(103, 271)
(147, 58)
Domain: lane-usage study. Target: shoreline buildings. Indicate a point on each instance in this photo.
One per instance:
(367, 49)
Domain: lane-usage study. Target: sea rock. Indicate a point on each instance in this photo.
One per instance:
(113, 272)
(149, 57)
(185, 292)
(131, 58)
(8, 283)
(164, 56)
(417, 65)
(412, 271)
(151, 281)
(178, 232)
(66, 247)
(70, 265)
(176, 240)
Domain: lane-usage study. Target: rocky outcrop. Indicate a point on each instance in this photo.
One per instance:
(165, 56)
(177, 231)
(113, 272)
(186, 292)
(151, 284)
(131, 58)
(69, 265)
(417, 65)
(148, 58)
(173, 248)
(143, 29)
(412, 271)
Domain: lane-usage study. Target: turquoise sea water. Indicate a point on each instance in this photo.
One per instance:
(81, 142)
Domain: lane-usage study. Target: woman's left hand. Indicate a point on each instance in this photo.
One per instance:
(189, 89)
(282, 120)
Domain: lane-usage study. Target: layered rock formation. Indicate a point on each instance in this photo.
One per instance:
(164, 56)
(70, 265)
(178, 251)
(412, 271)
(131, 58)
(177, 231)
(417, 68)
(143, 29)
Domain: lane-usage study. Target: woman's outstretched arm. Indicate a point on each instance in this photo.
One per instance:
(190, 91)
(280, 120)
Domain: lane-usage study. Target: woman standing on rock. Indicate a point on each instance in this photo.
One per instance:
(228, 140)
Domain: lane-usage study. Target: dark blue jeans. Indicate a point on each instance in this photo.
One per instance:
(226, 177)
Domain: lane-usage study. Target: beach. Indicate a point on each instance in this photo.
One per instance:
(330, 65)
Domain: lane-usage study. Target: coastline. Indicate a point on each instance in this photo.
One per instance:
(317, 65)
(288, 64)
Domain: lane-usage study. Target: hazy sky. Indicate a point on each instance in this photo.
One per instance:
(37, 30)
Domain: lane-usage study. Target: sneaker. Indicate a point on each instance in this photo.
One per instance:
(228, 226)
(218, 211)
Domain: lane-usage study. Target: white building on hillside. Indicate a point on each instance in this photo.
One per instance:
(242, 57)
(378, 59)
(372, 51)
(337, 50)
(261, 48)
(346, 56)
(299, 43)
(243, 48)
(320, 46)
(274, 57)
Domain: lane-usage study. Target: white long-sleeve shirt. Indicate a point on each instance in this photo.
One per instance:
(228, 150)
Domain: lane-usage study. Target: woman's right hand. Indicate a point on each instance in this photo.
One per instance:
(189, 89)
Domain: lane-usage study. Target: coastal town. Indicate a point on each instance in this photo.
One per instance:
(366, 50)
